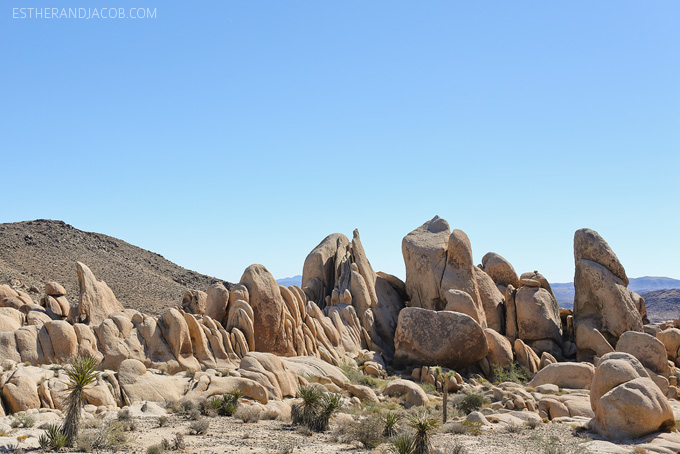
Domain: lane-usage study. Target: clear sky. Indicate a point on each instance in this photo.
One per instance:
(227, 133)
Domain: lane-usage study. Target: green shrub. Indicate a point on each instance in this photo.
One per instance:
(470, 403)
(229, 403)
(155, 449)
(368, 432)
(473, 427)
(513, 372)
(56, 437)
(403, 444)
(22, 420)
(103, 437)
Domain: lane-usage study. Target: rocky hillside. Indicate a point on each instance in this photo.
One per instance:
(663, 304)
(35, 252)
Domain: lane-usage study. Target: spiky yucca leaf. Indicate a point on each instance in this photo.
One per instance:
(81, 373)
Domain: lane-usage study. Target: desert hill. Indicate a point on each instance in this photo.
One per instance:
(35, 252)
(663, 304)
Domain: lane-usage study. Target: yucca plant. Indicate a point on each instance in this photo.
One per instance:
(403, 444)
(422, 424)
(229, 403)
(328, 404)
(390, 421)
(81, 373)
(304, 412)
(56, 438)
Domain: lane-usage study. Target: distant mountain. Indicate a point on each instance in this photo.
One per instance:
(565, 292)
(662, 305)
(295, 280)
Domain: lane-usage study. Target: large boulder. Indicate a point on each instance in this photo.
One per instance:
(500, 348)
(321, 269)
(601, 299)
(537, 315)
(21, 394)
(444, 338)
(565, 375)
(216, 302)
(270, 311)
(626, 402)
(460, 273)
(492, 301)
(97, 300)
(649, 350)
(425, 251)
(500, 270)
(412, 393)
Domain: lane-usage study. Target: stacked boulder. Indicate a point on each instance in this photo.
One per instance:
(603, 306)
(338, 278)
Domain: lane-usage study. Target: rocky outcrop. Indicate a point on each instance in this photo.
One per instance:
(601, 302)
(626, 402)
(565, 375)
(649, 350)
(97, 301)
(500, 270)
(444, 338)
(337, 274)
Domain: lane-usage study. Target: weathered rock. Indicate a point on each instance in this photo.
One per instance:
(64, 340)
(364, 393)
(194, 301)
(270, 312)
(500, 270)
(425, 251)
(626, 402)
(176, 333)
(97, 301)
(459, 273)
(54, 289)
(138, 384)
(526, 356)
(589, 245)
(565, 375)
(321, 269)
(216, 302)
(601, 300)
(500, 348)
(537, 315)
(492, 301)
(649, 350)
(413, 394)
(671, 340)
(20, 394)
(271, 372)
(641, 306)
(449, 339)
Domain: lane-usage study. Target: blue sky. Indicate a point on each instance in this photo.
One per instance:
(241, 132)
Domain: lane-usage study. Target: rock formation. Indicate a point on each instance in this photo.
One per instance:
(603, 307)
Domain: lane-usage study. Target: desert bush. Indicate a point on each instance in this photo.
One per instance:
(533, 423)
(473, 427)
(368, 432)
(403, 444)
(102, 437)
(514, 428)
(513, 372)
(470, 403)
(155, 449)
(390, 421)
(423, 425)
(162, 421)
(178, 443)
(455, 448)
(22, 420)
(248, 414)
(199, 426)
(229, 403)
(81, 372)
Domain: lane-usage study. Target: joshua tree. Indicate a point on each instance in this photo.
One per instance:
(443, 378)
(81, 372)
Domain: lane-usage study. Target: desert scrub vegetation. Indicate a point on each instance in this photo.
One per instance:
(468, 403)
(357, 377)
(22, 420)
(316, 408)
(513, 372)
(102, 437)
(199, 426)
